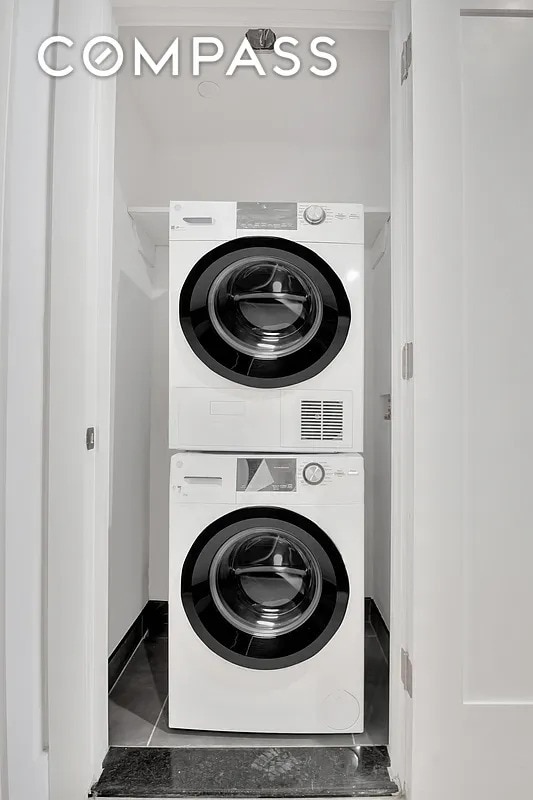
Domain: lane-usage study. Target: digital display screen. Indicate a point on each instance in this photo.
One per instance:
(267, 216)
(266, 475)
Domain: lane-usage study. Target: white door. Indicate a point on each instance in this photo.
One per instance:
(79, 289)
(6, 37)
(472, 648)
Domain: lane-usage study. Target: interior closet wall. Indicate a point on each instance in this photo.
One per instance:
(377, 421)
(265, 138)
(135, 145)
(159, 453)
(131, 418)
(258, 138)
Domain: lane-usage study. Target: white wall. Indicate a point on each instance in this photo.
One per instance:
(130, 488)
(135, 148)
(377, 428)
(159, 452)
(369, 414)
(261, 138)
(6, 40)
(265, 171)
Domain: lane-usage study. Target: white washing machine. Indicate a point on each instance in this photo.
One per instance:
(266, 608)
(266, 326)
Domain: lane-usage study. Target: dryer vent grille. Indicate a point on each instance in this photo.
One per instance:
(321, 420)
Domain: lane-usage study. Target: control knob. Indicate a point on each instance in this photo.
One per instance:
(314, 215)
(314, 473)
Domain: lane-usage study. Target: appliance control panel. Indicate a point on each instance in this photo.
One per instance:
(267, 479)
(310, 221)
(323, 471)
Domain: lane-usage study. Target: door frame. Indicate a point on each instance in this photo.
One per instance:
(79, 392)
(6, 89)
(78, 529)
(402, 399)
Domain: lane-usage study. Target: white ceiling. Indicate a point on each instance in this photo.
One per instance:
(349, 108)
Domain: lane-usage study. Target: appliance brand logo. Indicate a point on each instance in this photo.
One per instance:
(103, 56)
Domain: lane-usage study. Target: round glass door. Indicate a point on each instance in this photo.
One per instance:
(264, 311)
(264, 587)
(265, 582)
(264, 307)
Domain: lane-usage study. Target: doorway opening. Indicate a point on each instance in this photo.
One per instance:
(298, 139)
(152, 165)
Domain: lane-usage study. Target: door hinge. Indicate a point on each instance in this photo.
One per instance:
(89, 438)
(407, 673)
(407, 58)
(407, 361)
(387, 407)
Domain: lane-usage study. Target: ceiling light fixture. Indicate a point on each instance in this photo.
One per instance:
(261, 39)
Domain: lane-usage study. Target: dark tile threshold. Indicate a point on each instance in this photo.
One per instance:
(244, 772)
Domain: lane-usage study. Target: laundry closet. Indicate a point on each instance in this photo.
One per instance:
(267, 142)
(85, 384)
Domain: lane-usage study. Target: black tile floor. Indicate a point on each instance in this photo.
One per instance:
(138, 707)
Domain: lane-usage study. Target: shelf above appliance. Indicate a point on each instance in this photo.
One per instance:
(153, 222)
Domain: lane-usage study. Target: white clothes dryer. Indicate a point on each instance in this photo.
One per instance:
(266, 326)
(266, 593)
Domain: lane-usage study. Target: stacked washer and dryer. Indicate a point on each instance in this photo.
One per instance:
(266, 537)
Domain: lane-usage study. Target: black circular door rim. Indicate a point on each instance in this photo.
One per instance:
(248, 370)
(244, 649)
